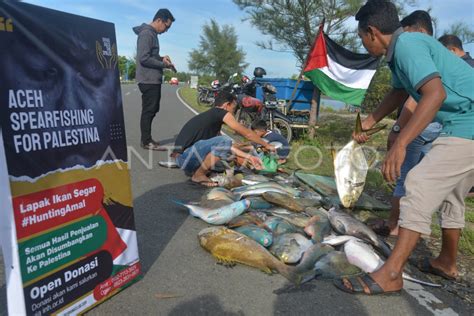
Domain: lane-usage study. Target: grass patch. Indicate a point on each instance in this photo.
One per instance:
(190, 97)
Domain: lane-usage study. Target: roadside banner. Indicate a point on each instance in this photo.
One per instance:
(66, 216)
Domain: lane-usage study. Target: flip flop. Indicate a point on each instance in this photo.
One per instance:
(363, 284)
(425, 266)
(204, 183)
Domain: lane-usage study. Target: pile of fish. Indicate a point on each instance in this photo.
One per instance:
(276, 224)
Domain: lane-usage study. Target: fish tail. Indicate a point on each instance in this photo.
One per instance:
(291, 274)
(181, 203)
(412, 279)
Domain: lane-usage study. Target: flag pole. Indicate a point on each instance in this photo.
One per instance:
(290, 104)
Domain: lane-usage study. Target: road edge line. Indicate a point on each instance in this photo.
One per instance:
(184, 102)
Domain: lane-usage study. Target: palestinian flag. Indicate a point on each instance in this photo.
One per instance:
(338, 72)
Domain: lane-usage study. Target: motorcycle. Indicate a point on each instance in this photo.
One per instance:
(250, 109)
(206, 96)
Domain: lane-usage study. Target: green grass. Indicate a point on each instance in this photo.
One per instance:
(190, 97)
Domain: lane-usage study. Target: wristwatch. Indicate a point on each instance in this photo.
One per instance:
(396, 128)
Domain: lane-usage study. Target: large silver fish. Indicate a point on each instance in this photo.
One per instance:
(258, 191)
(220, 215)
(271, 185)
(350, 168)
(363, 256)
(345, 224)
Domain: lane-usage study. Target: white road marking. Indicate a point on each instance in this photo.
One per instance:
(127, 93)
(185, 104)
(427, 300)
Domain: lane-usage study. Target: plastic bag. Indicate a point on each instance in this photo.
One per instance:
(270, 163)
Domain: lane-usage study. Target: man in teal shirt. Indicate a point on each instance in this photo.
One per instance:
(443, 86)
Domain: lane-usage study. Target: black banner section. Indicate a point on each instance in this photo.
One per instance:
(55, 291)
(60, 101)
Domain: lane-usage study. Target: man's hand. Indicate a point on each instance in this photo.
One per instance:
(167, 59)
(393, 162)
(270, 148)
(392, 137)
(360, 138)
(256, 162)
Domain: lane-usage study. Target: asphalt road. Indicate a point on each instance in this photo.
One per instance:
(175, 265)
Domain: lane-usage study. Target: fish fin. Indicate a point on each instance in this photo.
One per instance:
(370, 131)
(412, 279)
(179, 203)
(358, 127)
(191, 212)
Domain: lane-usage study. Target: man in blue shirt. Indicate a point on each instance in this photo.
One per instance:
(441, 83)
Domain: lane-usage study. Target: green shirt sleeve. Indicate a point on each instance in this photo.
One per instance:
(396, 83)
(414, 60)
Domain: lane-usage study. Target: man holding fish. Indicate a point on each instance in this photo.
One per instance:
(199, 145)
(442, 85)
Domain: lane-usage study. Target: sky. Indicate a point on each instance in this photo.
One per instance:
(191, 15)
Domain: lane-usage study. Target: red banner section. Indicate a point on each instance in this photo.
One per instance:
(117, 281)
(46, 209)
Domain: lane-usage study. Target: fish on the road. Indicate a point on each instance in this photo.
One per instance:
(311, 256)
(289, 248)
(247, 219)
(345, 224)
(219, 193)
(279, 226)
(252, 179)
(283, 200)
(318, 227)
(219, 216)
(350, 168)
(230, 247)
(267, 185)
(363, 256)
(259, 234)
(258, 203)
(337, 240)
(335, 265)
(297, 219)
(257, 192)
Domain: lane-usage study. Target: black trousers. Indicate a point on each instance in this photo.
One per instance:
(151, 96)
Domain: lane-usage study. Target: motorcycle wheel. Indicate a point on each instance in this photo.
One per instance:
(283, 128)
(200, 100)
(244, 118)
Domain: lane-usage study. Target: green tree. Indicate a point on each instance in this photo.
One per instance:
(380, 85)
(218, 53)
(122, 64)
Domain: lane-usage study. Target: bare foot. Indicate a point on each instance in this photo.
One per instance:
(204, 181)
(446, 268)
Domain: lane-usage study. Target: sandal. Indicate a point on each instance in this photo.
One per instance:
(424, 265)
(363, 284)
